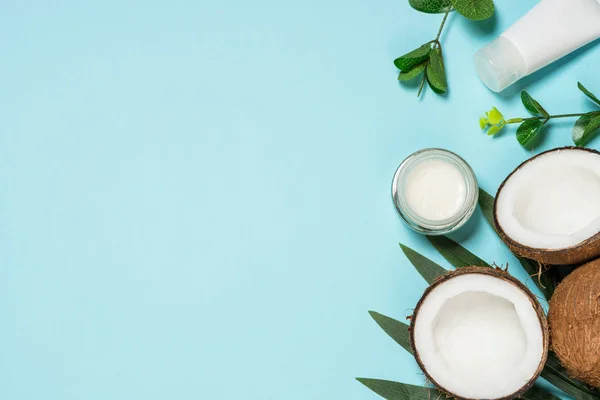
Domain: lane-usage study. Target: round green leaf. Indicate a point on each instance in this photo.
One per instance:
(431, 6)
(474, 9)
(585, 128)
(528, 130)
(436, 75)
(413, 73)
(410, 60)
(533, 106)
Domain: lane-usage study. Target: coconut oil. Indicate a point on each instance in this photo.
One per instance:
(435, 191)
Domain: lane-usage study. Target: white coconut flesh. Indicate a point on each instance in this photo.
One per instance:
(553, 201)
(478, 336)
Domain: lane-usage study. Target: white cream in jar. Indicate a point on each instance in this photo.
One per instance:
(435, 191)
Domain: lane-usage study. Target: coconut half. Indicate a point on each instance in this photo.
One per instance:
(478, 333)
(548, 209)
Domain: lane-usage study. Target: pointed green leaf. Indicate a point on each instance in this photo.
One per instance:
(429, 270)
(399, 391)
(436, 74)
(486, 202)
(585, 128)
(528, 130)
(431, 6)
(538, 393)
(454, 253)
(413, 73)
(588, 93)
(474, 9)
(408, 61)
(532, 105)
(395, 329)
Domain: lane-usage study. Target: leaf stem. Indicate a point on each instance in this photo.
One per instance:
(437, 38)
(436, 45)
(560, 116)
(541, 117)
(423, 81)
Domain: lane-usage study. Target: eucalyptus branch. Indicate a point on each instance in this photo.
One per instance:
(588, 123)
(549, 117)
(428, 59)
(437, 37)
(423, 80)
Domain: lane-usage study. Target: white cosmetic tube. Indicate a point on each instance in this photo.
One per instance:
(551, 30)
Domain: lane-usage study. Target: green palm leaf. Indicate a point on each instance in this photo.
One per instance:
(399, 391)
(429, 270)
(395, 329)
(555, 373)
(454, 253)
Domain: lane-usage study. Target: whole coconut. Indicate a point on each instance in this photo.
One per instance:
(574, 320)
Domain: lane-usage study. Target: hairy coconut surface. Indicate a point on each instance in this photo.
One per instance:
(574, 320)
(548, 210)
(479, 333)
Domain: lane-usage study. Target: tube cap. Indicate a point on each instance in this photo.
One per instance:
(500, 64)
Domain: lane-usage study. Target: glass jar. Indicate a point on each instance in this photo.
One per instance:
(434, 226)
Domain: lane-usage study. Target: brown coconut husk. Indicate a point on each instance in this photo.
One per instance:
(498, 273)
(584, 251)
(574, 320)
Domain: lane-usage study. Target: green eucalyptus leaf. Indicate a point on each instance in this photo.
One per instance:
(408, 61)
(436, 74)
(395, 329)
(528, 130)
(585, 128)
(413, 73)
(474, 9)
(429, 270)
(588, 93)
(454, 253)
(400, 391)
(532, 105)
(431, 6)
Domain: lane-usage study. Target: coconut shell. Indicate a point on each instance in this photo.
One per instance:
(498, 273)
(574, 320)
(584, 251)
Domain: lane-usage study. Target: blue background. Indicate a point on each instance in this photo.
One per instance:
(195, 196)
